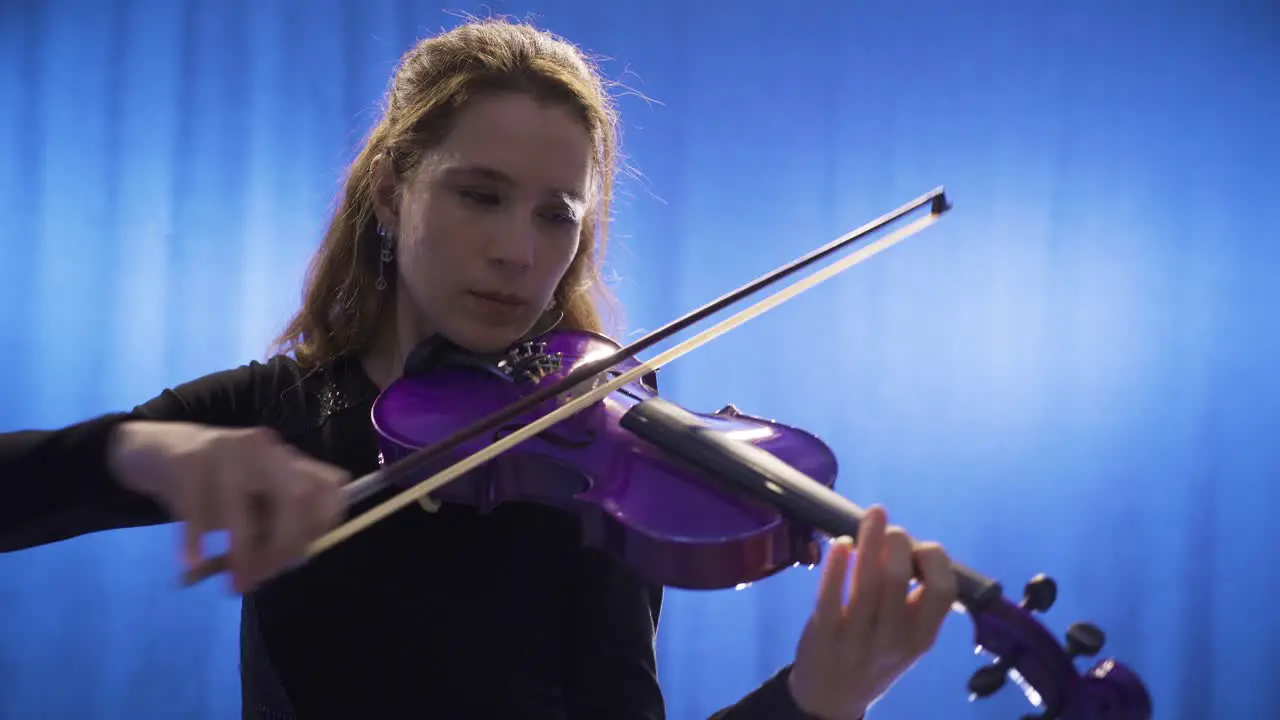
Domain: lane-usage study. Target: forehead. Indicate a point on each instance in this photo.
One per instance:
(515, 138)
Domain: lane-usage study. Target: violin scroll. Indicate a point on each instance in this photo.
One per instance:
(1045, 670)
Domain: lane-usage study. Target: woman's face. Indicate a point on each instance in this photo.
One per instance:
(489, 223)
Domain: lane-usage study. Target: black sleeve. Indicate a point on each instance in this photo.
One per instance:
(56, 485)
(771, 700)
(614, 619)
(614, 672)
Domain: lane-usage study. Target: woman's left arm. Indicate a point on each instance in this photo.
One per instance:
(851, 652)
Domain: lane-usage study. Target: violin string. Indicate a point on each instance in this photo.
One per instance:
(599, 392)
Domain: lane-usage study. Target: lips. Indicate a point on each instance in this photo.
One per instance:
(500, 298)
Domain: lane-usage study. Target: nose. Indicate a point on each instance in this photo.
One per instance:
(514, 245)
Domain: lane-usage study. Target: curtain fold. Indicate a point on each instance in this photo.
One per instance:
(1074, 372)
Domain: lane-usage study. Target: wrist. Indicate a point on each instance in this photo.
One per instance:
(811, 713)
(122, 444)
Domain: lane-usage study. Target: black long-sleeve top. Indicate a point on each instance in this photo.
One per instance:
(453, 614)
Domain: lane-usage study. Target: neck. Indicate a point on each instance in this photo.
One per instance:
(398, 335)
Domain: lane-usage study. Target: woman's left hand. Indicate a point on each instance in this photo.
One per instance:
(852, 652)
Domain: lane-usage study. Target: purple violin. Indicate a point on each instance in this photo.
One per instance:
(689, 500)
(660, 515)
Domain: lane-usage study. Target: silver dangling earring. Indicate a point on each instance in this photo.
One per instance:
(546, 322)
(552, 315)
(385, 259)
(550, 318)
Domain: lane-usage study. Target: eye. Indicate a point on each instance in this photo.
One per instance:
(560, 215)
(483, 198)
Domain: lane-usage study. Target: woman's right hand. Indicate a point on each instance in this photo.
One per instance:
(272, 499)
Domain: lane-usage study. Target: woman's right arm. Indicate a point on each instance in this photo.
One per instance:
(57, 484)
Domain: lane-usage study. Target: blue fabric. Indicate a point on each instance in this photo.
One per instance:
(1073, 373)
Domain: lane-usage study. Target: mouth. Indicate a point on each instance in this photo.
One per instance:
(499, 298)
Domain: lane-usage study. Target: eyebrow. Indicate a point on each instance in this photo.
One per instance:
(482, 172)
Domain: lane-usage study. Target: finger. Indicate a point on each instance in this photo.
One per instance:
(832, 583)
(320, 501)
(193, 531)
(890, 627)
(235, 496)
(265, 524)
(864, 593)
(288, 490)
(932, 599)
(262, 462)
(328, 504)
(309, 502)
(198, 510)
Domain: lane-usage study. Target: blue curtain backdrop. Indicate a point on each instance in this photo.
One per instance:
(1074, 373)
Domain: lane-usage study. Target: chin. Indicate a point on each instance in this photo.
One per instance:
(484, 339)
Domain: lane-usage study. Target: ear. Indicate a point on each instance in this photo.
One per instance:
(385, 190)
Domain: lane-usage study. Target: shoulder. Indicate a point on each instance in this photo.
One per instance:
(277, 392)
(253, 385)
(295, 399)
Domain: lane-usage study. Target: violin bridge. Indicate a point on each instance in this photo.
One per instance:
(428, 504)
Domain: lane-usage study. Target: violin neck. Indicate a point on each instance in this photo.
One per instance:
(755, 472)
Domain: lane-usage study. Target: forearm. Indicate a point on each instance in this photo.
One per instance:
(56, 485)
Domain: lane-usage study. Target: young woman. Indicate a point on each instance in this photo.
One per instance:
(475, 212)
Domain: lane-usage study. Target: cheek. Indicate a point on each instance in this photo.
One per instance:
(563, 249)
(555, 256)
(425, 253)
(423, 270)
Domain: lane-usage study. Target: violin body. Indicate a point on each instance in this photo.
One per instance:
(651, 509)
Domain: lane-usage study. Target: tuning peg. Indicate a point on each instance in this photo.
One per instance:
(1085, 639)
(1039, 594)
(987, 679)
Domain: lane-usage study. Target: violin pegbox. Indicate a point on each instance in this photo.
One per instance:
(1027, 653)
(529, 362)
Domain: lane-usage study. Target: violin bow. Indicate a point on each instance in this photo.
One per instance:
(589, 375)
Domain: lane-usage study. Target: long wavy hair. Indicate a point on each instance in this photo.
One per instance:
(341, 311)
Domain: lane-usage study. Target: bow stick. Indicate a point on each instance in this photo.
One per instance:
(589, 374)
